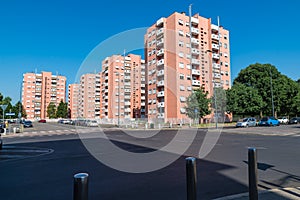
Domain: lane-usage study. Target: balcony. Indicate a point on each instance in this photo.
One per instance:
(127, 90)
(143, 103)
(195, 51)
(161, 115)
(142, 91)
(160, 32)
(217, 85)
(161, 104)
(160, 83)
(214, 27)
(127, 77)
(126, 97)
(161, 94)
(217, 75)
(195, 21)
(127, 103)
(160, 42)
(127, 110)
(214, 36)
(195, 72)
(195, 41)
(160, 22)
(160, 52)
(160, 72)
(143, 85)
(195, 31)
(195, 61)
(216, 56)
(216, 66)
(215, 46)
(143, 98)
(196, 83)
(160, 62)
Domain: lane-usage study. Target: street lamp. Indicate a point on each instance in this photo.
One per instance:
(118, 74)
(272, 98)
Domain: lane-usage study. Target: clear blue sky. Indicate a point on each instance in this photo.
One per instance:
(57, 35)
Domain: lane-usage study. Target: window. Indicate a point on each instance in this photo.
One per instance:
(180, 32)
(181, 87)
(181, 54)
(181, 44)
(181, 76)
(180, 22)
(181, 65)
(225, 45)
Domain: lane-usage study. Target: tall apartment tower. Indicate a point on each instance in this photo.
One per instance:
(123, 88)
(39, 90)
(73, 94)
(182, 57)
(89, 96)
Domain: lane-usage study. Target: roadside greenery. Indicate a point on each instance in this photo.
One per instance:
(198, 105)
(61, 111)
(18, 107)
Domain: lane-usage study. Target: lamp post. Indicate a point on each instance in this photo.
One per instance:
(118, 74)
(272, 98)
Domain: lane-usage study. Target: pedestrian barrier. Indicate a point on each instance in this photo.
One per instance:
(81, 186)
(252, 174)
(191, 178)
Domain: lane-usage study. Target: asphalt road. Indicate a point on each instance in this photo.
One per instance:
(40, 163)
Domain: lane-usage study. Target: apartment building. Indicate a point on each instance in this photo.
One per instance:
(39, 90)
(182, 57)
(89, 96)
(123, 88)
(73, 100)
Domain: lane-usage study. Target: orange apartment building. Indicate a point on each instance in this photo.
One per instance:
(123, 88)
(182, 57)
(39, 90)
(88, 96)
(73, 95)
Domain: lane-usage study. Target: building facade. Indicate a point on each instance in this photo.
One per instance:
(123, 93)
(39, 90)
(73, 100)
(182, 57)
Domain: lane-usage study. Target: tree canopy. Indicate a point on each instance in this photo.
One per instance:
(198, 105)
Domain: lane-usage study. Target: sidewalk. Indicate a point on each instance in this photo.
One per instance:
(273, 194)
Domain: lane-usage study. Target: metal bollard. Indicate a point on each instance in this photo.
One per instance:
(252, 174)
(191, 178)
(80, 186)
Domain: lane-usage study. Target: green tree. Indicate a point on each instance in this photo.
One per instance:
(51, 110)
(243, 100)
(198, 105)
(62, 110)
(18, 107)
(5, 101)
(219, 103)
(259, 76)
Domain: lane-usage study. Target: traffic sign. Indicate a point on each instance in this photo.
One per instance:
(10, 114)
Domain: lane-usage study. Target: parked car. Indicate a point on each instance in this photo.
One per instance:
(42, 121)
(27, 124)
(294, 120)
(283, 120)
(246, 122)
(268, 121)
(92, 123)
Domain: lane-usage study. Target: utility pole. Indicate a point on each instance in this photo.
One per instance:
(271, 84)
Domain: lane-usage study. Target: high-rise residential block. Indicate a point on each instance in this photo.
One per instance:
(73, 95)
(182, 57)
(123, 88)
(39, 90)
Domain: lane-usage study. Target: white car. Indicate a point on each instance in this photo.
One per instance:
(283, 120)
(246, 122)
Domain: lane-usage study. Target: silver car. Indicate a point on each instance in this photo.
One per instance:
(246, 122)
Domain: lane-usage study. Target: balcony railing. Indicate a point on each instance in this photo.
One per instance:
(196, 83)
(160, 52)
(160, 62)
(160, 83)
(195, 31)
(161, 104)
(161, 94)
(195, 72)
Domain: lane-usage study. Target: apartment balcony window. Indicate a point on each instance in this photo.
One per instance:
(216, 66)
(214, 36)
(160, 52)
(161, 94)
(216, 56)
(160, 32)
(182, 110)
(160, 72)
(195, 72)
(195, 83)
(195, 61)
(160, 83)
(215, 46)
(195, 51)
(160, 42)
(160, 22)
(161, 105)
(195, 31)
(160, 62)
(214, 28)
(195, 21)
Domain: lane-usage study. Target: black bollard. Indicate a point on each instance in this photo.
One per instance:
(191, 178)
(81, 186)
(252, 174)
